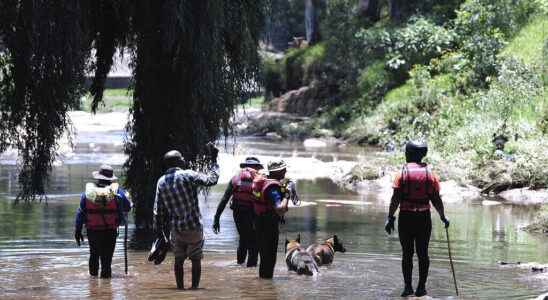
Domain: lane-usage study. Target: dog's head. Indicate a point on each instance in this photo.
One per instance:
(337, 244)
(292, 244)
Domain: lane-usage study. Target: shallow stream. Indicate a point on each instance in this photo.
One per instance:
(39, 259)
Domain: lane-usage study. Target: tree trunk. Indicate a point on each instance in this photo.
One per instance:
(369, 9)
(311, 21)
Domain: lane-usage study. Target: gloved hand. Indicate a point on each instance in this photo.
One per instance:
(212, 151)
(389, 226)
(216, 226)
(445, 221)
(78, 237)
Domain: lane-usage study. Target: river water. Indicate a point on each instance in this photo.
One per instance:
(39, 259)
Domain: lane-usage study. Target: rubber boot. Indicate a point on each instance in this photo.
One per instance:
(421, 291)
(407, 291)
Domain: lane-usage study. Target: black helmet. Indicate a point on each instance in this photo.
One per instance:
(415, 151)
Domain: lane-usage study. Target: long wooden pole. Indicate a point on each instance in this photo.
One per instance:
(451, 261)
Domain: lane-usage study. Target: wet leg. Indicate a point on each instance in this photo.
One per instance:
(93, 254)
(107, 251)
(407, 244)
(242, 250)
(422, 242)
(196, 272)
(179, 272)
(249, 237)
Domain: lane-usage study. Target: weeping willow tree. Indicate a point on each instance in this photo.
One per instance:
(192, 62)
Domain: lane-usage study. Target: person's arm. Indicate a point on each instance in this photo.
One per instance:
(126, 204)
(438, 205)
(221, 207)
(80, 214)
(159, 211)
(280, 204)
(206, 179)
(394, 202)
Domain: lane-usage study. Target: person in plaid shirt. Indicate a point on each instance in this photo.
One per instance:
(176, 209)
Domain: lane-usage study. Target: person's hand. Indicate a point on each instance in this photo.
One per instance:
(78, 237)
(216, 226)
(445, 221)
(389, 226)
(212, 151)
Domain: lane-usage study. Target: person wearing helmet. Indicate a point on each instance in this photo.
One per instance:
(270, 206)
(103, 207)
(414, 188)
(240, 190)
(176, 210)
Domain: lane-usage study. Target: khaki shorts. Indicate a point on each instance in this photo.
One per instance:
(187, 244)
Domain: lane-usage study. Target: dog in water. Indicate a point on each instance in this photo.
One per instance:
(297, 259)
(325, 252)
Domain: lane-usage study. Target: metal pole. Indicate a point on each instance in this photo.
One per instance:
(451, 261)
(125, 247)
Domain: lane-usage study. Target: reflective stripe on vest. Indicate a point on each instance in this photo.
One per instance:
(415, 186)
(242, 187)
(101, 217)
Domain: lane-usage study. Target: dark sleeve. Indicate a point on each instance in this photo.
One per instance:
(274, 195)
(227, 195)
(125, 204)
(81, 213)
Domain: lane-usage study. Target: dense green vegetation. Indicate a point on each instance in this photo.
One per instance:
(455, 74)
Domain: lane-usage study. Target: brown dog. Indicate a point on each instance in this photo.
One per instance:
(325, 252)
(297, 259)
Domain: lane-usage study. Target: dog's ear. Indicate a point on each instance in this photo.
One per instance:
(335, 239)
(298, 238)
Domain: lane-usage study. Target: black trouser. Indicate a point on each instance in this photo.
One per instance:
(414, 230)
(266, 226)
(247, 246)
(101, 247)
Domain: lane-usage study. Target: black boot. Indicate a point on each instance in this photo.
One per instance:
(421, 291)
(407, 291)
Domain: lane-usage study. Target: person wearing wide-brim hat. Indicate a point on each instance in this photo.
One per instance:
(269, 209)
(240, 191)
(103, 207)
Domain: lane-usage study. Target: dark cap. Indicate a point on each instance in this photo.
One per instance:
(105, 173)
(251, 162)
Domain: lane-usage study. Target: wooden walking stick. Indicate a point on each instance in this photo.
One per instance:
(125, 247)
(451, 261)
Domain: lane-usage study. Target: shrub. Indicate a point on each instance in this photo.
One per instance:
(272, 78)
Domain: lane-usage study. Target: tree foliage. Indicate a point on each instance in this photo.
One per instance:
(192, 61)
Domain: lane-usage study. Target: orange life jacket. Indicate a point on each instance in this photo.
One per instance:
(242, 187)
(260, 184)
(101, 216)
(416, 187)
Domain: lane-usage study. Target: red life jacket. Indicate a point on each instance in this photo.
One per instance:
(101, 217)
(416, 187)
(260, 185)
(242, 187)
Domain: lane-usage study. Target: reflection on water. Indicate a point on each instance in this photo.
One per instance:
(38, 257)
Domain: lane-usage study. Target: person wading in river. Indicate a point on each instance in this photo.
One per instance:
(103, 207)
(270, 205)
(414, 188)
(176, 203)
(240, 190)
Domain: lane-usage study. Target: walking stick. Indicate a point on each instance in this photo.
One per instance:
(451, 261)
(125, 246)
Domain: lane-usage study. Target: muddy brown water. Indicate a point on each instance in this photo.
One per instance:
(39, 259)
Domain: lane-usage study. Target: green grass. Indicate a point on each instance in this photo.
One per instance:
(528, 44)
(113, 100)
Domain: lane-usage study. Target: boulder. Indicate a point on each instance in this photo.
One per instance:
(303, 101)
(525, 196)
(453, 192)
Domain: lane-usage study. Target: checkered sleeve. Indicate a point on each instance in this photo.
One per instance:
(159, 211)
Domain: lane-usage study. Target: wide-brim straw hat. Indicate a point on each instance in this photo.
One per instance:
(105, 173)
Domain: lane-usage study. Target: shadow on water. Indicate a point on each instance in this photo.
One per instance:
(39, 259)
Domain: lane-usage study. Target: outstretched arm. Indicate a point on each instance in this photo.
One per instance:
(207, 179)
(394, 203)
(221, 208)
(438, 205)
